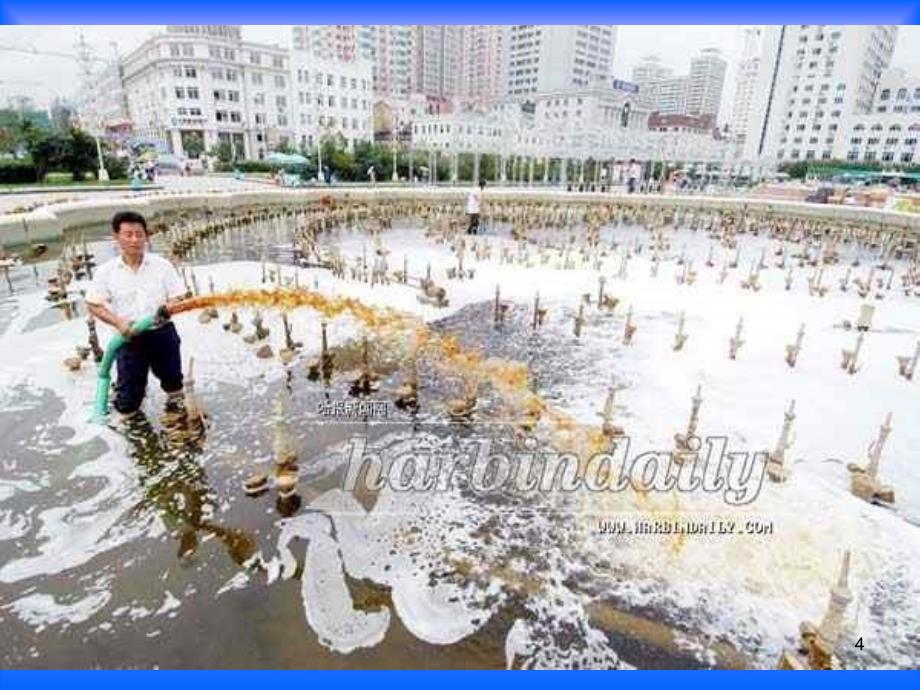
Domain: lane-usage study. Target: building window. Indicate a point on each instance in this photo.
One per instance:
(214, 52)
(236, 117)
(255, 59)
(891, 141)
(888, 156)
(856, 141)
(229, 54)
(279, 81)
(232, 75)
(852, 155)
(174, 50)
(188, 50)
(884, 95)
(191, 72)
(192, 92)
(257, 78)
(281, 102)
(907, 157)
(902, 94)
(278, 62)
(233, 96)
(180, 92)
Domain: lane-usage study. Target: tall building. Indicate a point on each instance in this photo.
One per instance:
(746, 82)
(812, 78)
(650, 69)
(707, 78)
(667, 96)
(328, 41)
(483, 77)
(437, 60)
(542, 58)
(889, 134)
(389, 49)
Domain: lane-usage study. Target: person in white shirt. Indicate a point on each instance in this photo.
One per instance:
(124, 289)
(474, 207)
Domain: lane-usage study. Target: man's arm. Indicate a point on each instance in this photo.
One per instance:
(102, 312)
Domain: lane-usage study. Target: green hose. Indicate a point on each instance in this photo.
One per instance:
(105, 367)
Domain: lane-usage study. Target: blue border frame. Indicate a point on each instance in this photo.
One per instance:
(467, 11)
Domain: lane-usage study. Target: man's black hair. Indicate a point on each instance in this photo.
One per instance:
(127, 217)
(482, 183)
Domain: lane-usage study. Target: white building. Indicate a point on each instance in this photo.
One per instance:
(668, 95)
(463, 132)
(599, 122)
(101, 102)
(888, 134)
(881, 138)
(704, 87)
(331, 98)
(812, 79)
(747, 70)
(897, 92)
(543, 58)
(205, 84)
(650, 69)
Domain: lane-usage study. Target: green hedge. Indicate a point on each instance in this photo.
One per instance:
(17, 172)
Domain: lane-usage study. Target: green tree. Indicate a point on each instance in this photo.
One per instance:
(80, 155)
(223, 152)
(192, 144)
(47, 151)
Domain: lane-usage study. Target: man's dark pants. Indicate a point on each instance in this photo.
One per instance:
(156, 350)
(473, 229)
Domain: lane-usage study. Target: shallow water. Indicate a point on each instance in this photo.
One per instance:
(124, 549)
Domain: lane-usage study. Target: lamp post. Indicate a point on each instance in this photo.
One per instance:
(102, 174)
(395, 176)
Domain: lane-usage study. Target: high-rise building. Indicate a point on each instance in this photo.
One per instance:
(707, 77)
(542, 57)
(389, 49)
(483, 77)
(667, 96)
(392, 55)
(328, 41)
(437, 60)
(650, 69)
(812, 79)
(746, 81)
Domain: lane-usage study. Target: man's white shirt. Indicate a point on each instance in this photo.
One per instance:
(131, 294)
(474, 201)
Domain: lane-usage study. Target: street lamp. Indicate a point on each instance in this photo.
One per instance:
(395, 175)
(102, 174)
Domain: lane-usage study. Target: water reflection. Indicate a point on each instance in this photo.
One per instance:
(176, 485)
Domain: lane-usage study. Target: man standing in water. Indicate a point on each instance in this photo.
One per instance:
(474, 207)
(133, 285)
